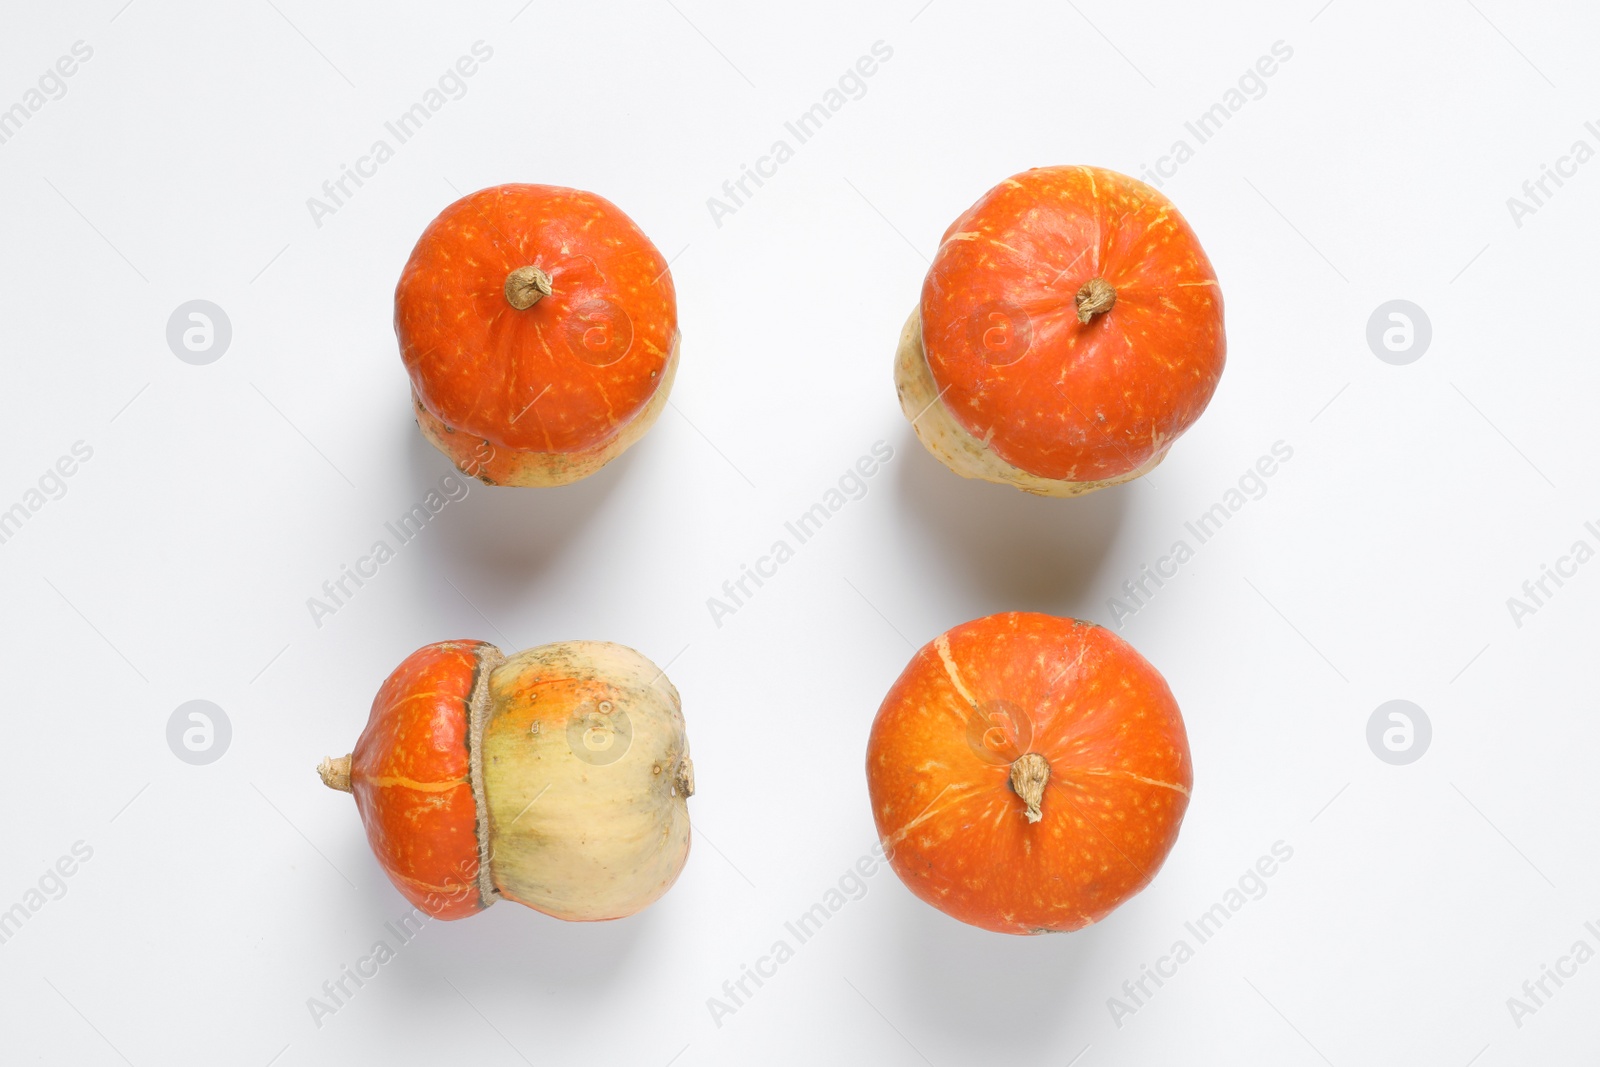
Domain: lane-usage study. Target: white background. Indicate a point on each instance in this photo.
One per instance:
(1377, 565)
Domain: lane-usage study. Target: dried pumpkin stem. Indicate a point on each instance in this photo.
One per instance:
(526, 286)
(1096, 297)
(684, 778)
(335, 772)
(1028, 777)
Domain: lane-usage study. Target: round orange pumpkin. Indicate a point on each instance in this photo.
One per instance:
(557, 778)
(540, 329)
(1028, 773)
(1070, 329)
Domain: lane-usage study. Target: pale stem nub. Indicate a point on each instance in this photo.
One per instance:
(335, 772)
(1096, 297)
(1028, 777)
(526, 286)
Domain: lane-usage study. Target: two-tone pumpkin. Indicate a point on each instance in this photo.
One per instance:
(557, 778)
(540, 329)
(1069, 331)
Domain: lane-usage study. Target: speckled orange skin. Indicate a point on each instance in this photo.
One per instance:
(938, 764)
(561, 377)
(1052, 396)
(410, 773)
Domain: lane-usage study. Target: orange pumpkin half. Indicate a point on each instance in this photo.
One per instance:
(1028, 773)
(411, 774)
(1070, 329)
(540, 329)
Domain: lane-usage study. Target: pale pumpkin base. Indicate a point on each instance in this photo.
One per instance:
(494, 464)
(954, 445)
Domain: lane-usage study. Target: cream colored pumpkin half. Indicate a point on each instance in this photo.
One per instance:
(585, 773)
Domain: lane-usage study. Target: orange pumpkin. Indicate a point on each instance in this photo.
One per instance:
(540, 329)
(1028, 773)
(556, 778)
(1070, 329)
